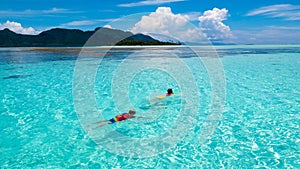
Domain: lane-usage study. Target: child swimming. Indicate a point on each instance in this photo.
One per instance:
(117, 118)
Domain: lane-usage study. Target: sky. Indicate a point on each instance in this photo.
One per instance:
(226, 21)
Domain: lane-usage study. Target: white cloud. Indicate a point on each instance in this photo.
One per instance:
(269, 35)
(163, 21)
(108, 26)
(86, 22)
(149, 2)
(286, 11)
(18, 28)
(193, 16)
(57, 10)
(33, 13)
(290, 28)
(80, 23)
(212, 24)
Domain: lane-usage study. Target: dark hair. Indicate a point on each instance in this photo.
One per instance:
(170, 91)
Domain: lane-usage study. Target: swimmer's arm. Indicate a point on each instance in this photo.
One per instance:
(119, 115)
(160, 97)
(141, 117)
(155, 99)
(177, 94)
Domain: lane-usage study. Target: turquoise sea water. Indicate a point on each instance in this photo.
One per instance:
(42, 127)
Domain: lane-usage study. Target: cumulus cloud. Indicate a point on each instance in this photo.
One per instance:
(193, 16)
(18, 28)
(164, 21)
(212, 24)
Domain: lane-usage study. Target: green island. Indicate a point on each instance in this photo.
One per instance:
(59, 37)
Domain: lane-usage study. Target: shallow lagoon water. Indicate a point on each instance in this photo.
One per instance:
(259, 127)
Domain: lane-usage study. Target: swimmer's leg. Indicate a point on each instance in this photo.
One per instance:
(97, 122)
(103, 124)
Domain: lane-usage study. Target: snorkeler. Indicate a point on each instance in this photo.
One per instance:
(169, 92)
(117, 118)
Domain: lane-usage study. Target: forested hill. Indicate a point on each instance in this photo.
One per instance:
(58, 37)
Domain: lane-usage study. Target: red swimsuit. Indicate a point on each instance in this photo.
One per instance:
(120, 117)
(124, 116)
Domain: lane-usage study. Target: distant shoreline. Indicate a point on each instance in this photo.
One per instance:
(153, 46)
(107, 48)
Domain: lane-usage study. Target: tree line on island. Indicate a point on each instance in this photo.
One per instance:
(59, 37)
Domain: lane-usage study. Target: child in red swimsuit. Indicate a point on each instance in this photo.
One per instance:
(117, 118)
